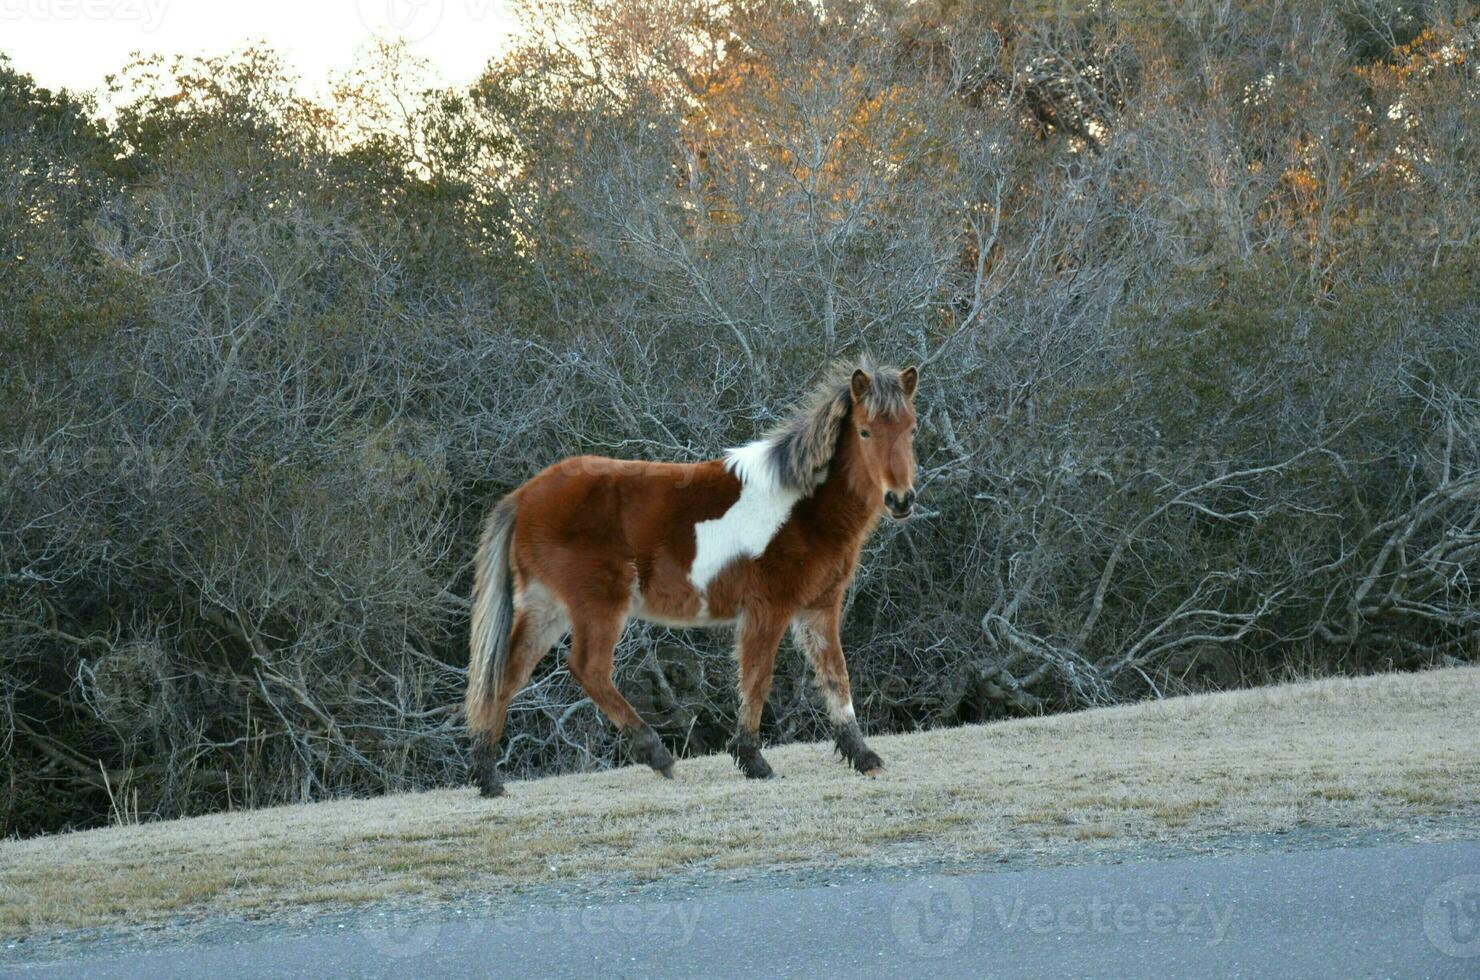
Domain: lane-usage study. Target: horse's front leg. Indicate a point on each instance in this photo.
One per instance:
(817, 633)
(760, 634)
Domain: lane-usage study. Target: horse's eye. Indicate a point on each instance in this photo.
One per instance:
(863, 433)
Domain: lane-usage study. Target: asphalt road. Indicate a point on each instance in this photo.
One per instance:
(1409, 910)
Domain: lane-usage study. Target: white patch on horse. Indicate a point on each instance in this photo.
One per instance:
(752, 521)
(545, 617)
(641, 610)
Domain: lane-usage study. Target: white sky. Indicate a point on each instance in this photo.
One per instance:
(75, 43)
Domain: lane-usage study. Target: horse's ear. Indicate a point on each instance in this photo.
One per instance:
(909, 379)
(860, 384)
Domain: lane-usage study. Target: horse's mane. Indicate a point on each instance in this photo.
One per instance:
(800, 449)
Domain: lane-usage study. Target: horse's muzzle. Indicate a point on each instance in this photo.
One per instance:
(899, 506)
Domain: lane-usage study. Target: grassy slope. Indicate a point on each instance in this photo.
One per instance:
(1373, 752)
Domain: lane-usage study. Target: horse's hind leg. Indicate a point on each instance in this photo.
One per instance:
(759, 636)
(539, 623)
(593, 642)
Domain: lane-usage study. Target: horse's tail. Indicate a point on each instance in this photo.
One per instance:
(493, 617)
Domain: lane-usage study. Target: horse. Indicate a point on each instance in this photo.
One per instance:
(764, 538)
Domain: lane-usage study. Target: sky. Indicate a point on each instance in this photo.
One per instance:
(75, 43)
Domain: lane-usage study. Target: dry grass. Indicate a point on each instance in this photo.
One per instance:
(1374, 752)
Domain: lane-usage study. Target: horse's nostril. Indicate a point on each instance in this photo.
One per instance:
(909, 498)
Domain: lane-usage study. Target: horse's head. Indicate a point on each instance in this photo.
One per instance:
(887, 441)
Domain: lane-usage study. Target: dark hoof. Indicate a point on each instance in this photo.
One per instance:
(745, 749)
(850, 745)
(647, 750)
(758, 768)
(485, 769)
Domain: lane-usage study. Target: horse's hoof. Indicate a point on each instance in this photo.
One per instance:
(489, 790)
(757, 768)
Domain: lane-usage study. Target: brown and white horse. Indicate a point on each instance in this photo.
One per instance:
(764, 538)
